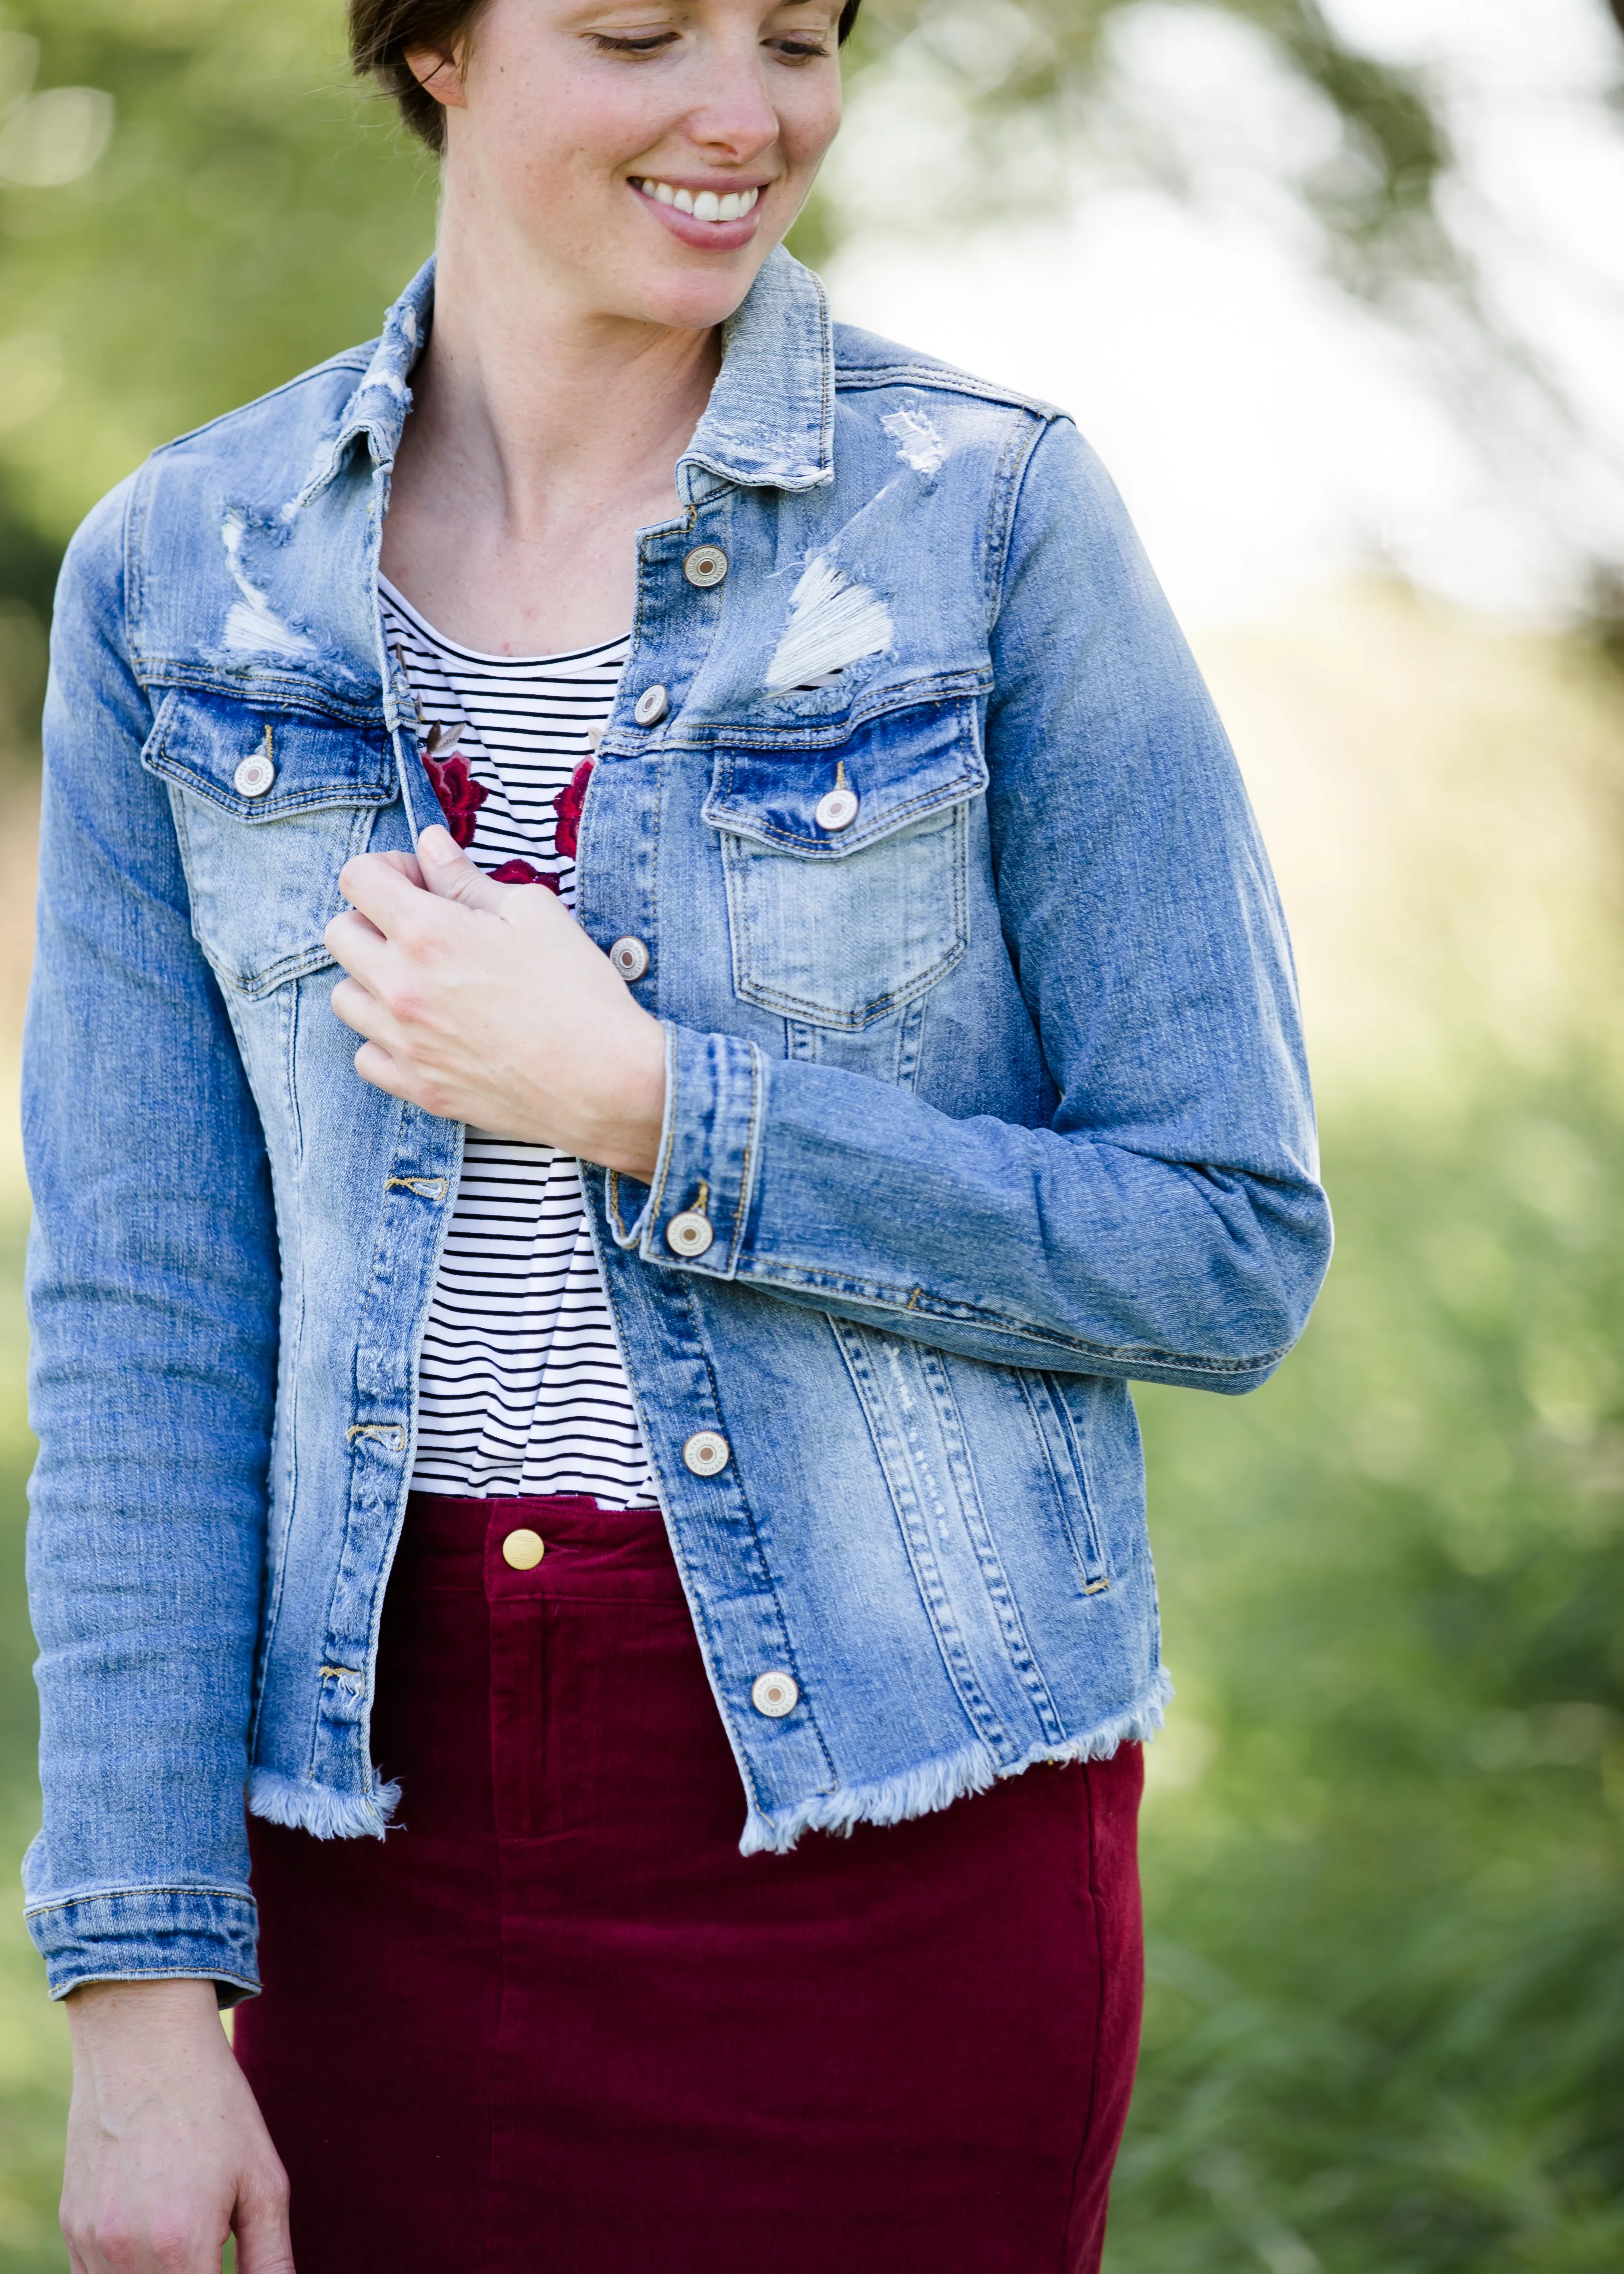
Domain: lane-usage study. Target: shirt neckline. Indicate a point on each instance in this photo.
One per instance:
(398, 599)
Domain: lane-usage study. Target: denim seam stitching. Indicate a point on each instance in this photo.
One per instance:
(123, 1894)
(917, 1304)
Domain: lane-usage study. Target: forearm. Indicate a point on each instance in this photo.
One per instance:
(1025, 1247)
(153, 1286)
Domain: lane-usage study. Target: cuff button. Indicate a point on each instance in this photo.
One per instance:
(689, 1234)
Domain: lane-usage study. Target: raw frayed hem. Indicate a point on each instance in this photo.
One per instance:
(936, 1785)
(317, 1808)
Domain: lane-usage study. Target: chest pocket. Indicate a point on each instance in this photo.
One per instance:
(268, 807)
(837, 921)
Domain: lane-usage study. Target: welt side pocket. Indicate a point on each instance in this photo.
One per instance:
(1045, 1403)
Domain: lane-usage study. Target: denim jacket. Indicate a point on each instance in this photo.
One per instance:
(985, 1081)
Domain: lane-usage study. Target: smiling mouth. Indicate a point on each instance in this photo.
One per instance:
(702, 205)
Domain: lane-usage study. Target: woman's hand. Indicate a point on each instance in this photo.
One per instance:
(487, 1003)
(168, 2153)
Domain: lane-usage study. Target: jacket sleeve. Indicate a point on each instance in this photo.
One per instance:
(152, 1293)
(1166, 1223)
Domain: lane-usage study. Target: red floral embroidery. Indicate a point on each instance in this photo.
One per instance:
(567, 805)
(460, 795)
(519, 872)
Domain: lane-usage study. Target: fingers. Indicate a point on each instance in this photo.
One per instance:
(264, 2244)
(405, 863)
(450, 874)
(355, 941)
(374, 1063)
(383, 887)
(359, 1008)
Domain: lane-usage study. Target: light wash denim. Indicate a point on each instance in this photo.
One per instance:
(994, 1099)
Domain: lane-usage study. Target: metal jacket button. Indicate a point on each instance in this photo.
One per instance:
(775, 1695)
(836, 809)
(706, 1453)
(254, 776)
(652, 706)
(523, 1549)
(689, 1234)
(630, 958)
(706, 565)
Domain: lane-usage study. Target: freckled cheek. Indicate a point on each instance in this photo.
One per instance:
(807, 126)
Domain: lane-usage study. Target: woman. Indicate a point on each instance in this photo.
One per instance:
(837, 1033)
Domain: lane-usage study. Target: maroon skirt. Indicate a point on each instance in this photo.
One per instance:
(557, 2022)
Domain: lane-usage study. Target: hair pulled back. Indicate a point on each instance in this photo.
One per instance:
(383, 32)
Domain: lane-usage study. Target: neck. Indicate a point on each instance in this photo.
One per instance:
(533, 399)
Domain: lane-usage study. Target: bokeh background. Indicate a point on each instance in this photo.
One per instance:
(1338, 290)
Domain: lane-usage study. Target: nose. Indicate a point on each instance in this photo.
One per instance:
(734, 119)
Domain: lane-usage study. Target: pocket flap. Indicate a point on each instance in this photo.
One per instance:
(202, 741)
(902, 765)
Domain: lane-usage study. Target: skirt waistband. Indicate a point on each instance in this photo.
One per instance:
(586, 1550)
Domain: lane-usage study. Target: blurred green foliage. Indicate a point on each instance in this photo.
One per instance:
(1386, 2022)
(1032, 63)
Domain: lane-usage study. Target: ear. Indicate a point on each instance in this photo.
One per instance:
(439, 74)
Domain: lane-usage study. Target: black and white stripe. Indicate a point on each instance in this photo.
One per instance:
(519, 1385)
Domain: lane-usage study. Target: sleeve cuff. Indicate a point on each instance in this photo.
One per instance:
(716, 1098)
(150, 1934)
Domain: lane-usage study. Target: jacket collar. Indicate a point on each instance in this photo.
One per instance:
(769, 425)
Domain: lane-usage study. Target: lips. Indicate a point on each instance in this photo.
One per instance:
(707, 219)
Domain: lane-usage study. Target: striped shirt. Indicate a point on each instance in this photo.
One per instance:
(521, 1388)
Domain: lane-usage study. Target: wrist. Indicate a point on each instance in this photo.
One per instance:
(635, 1115)
(178, 2005)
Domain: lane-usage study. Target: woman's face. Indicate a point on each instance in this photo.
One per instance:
(649, 153)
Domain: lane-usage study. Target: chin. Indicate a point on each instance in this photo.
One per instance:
(689, 299)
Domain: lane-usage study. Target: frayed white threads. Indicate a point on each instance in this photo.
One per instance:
(833, 623)
(253, 626)
(936, 1785)
(919, 441)
(316, 1808)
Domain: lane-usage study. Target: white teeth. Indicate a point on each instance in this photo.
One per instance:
(707, 206)
(704, 205)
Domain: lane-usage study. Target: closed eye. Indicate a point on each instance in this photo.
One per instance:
(647, 44)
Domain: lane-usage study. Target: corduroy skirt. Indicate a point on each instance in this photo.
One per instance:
(556, 2021)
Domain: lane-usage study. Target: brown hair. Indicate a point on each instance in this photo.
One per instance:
(382, 31)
